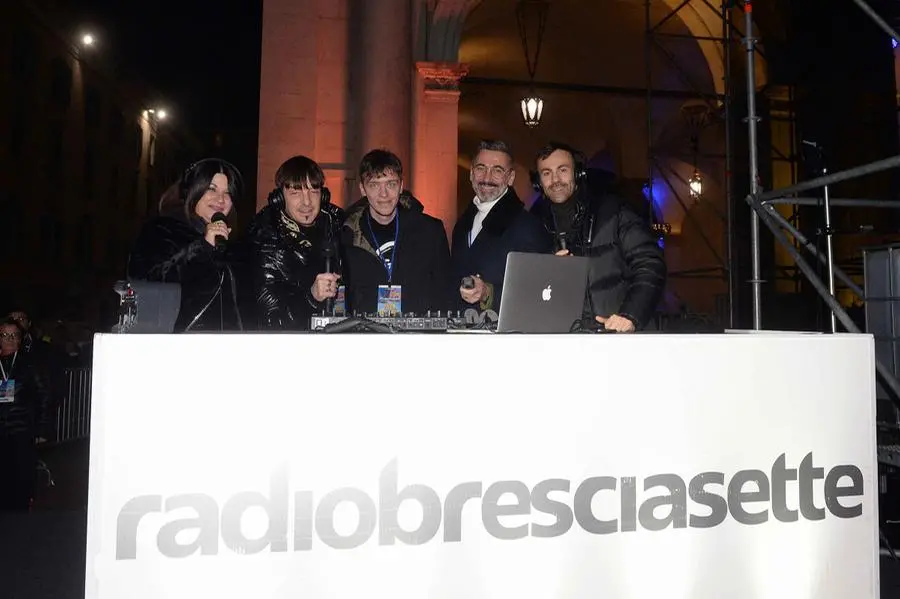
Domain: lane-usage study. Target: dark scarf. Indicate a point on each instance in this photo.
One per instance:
(565, 215)
(305, 237)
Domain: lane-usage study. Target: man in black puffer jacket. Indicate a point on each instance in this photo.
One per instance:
(627, 271)
(290, 241)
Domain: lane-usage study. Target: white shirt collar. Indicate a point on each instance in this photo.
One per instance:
(486, 206)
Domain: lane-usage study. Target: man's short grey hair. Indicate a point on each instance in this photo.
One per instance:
(494, 145)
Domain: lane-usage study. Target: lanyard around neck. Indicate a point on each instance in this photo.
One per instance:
(388, 265)
(11, 366)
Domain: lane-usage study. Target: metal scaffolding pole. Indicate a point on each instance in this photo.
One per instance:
(848, 202)
(878, 20)
(829, 249)
(887, 376)
(850, 173)
(811, 247)
(729, 197)
(752, 121)
(648, 65)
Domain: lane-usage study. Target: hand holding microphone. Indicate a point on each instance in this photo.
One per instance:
(562, 248)
(472, 289)
(325, 286)
(217, 231)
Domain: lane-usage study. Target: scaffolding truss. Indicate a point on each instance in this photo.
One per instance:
(763, 211)
(763, 204)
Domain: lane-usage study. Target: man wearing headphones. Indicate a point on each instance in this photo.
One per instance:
(627, 271)
(294, 249)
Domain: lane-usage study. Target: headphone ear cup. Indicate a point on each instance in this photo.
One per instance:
(276, 198)
(580, 167)
(326, 196)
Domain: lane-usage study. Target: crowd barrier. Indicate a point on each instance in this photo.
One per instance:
(73, 417)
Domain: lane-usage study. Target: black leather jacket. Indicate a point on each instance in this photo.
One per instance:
(285, 259)
(171, 250)
(30, 413)
(627, 270)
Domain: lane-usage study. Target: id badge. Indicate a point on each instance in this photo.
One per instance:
(8, 391)
(340, 301)
(389, 300)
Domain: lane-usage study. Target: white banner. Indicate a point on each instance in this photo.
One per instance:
(483, 467)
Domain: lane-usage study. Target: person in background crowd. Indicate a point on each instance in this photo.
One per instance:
(32, 341)
(50, 361)
(188, 244)
(289, 242)
(23, 418)
(397, 258)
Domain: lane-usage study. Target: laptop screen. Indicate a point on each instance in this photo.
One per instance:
(542, 293)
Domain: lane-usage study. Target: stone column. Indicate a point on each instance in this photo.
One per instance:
(384, 66)
(436, 137)
(289, 71)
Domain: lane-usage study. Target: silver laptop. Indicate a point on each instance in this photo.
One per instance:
(542, 293)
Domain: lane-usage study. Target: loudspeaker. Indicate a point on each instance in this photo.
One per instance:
(881, 267)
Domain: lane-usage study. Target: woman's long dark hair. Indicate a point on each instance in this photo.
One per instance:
(180, 199)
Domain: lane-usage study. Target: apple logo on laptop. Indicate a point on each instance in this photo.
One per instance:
(545, 294)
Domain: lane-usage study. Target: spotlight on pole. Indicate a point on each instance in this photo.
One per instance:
(161, 115)
(87, 40)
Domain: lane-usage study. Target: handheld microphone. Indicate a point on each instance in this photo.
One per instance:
(561, 241)
(218, 217)
(328, 254)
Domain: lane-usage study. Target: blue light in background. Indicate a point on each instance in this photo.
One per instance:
(893, 43)
(661, 242)
(659, 195)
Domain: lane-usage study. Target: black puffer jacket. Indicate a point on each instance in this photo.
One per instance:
(170, 250)
(627, 269)
(285, 259)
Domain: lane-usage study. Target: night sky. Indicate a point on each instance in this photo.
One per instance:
(202, 57)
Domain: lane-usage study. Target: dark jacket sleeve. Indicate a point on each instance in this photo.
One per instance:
(280, 304)
(532, 236)
(443, 291)
(647, 267)
(161, 254)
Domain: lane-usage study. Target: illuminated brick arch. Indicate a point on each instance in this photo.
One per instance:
(702, 21)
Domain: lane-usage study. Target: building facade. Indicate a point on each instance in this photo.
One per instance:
(82, 162)
(639, 86)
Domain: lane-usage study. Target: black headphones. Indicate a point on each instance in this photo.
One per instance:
(276, 198)
(577, 156)
(189, 172)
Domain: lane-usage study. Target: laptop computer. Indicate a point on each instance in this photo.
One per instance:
(542, 293)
